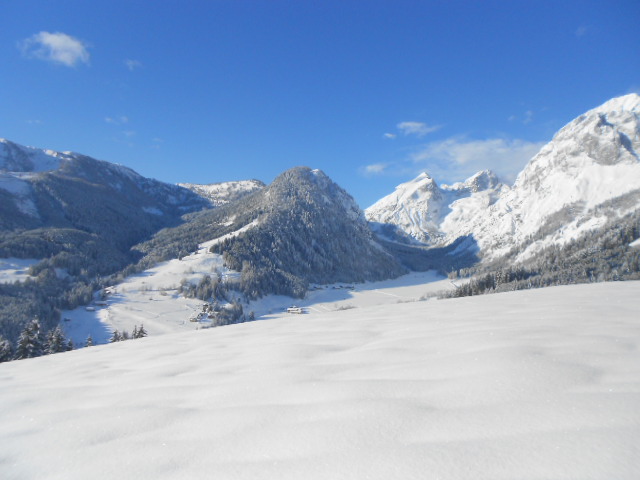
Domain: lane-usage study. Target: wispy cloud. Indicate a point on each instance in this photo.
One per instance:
(418, 129)
(132, 64)
(528, 117)
(390, 136)
(581, 31)
(121, 120)
(458, 158)
(374, 169)
(57, 47)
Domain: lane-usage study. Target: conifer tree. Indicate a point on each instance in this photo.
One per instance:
(89, 342)
(30, 343)
(116, 337)
(55, 341)
(5, 350)
(142, 332)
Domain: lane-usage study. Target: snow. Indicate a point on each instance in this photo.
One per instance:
(591, 161)
(153, 211)
(15, 269)
(20, 189)
(14, 157)
(434, 214)
(222, 193)
(151, 297)
(529, 385)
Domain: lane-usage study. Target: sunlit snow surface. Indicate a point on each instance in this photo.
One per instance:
(538, 384)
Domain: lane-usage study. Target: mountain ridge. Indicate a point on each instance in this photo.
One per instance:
(590, 161)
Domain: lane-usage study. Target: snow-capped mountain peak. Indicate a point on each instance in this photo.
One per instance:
(589, 163)
(419, 207)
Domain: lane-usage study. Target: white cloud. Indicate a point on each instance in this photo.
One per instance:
(374, 169)
(56, 48)
(457, 158)
(390, 135)
(132, 64)
(418, 129)
(122, 119)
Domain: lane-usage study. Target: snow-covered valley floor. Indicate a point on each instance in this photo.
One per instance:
(538, 384)
(151, 298)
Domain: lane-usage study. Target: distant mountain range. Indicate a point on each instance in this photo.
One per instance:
(224, 192)
(588, 174)
(86, 219)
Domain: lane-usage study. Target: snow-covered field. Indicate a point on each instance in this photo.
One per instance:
(15, 269)
(538, 384)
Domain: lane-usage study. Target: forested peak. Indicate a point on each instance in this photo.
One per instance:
(311, 187)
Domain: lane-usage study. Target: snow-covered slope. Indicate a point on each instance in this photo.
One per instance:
(224, 192)
(590, 162)
(538, 384)
(17, 158)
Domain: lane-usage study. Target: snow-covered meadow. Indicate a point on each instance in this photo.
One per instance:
(537, 384)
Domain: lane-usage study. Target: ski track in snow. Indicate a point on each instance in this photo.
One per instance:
(537, 384)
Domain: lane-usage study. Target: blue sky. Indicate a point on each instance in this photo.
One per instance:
(371, 92)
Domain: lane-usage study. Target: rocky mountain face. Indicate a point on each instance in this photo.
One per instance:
(417, 210)
(224, 192)
(589, 172)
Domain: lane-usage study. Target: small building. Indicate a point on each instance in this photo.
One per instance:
(294, 309)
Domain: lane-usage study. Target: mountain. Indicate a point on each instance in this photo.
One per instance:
(77, 218)
(417, 209)
(42, 188)
(224, 192)
(588, 173)
(301, 229)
